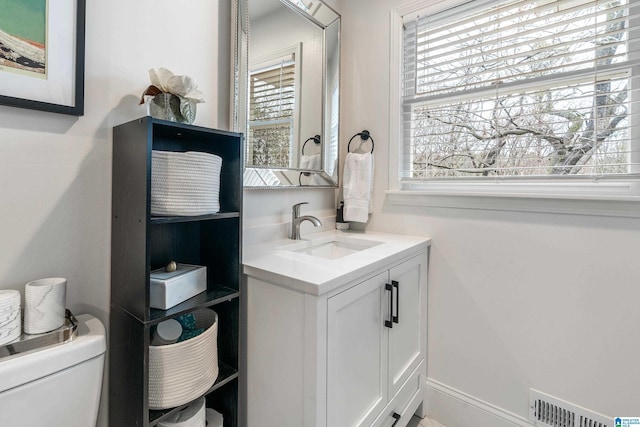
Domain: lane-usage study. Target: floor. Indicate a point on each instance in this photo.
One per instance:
(417, 422)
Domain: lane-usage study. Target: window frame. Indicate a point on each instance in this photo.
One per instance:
(271, 59)
(616, 196)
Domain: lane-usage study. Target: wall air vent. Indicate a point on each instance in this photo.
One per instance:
(545, 410)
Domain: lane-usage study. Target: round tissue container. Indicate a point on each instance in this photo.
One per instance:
(44, 305)
(10, 326)
(181, 372)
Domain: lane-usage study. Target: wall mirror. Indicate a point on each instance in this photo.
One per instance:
(286, 78)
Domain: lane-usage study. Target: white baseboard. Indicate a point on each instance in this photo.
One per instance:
(454, 408)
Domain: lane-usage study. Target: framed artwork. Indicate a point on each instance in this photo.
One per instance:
(42, 55)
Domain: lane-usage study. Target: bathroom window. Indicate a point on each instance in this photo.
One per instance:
(272, 104)
(521, 92)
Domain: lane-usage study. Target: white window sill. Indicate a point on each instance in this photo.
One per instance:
(617, 201)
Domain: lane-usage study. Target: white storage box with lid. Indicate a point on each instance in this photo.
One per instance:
(185, 184)
(184, 371)
(172, 288)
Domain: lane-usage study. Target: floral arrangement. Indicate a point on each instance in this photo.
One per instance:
(175, 97)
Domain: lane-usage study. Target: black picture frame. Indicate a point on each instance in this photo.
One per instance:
(73, 61)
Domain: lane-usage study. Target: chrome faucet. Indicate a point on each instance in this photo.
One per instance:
(296, 220)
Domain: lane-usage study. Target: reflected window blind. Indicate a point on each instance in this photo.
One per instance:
(522, 89)
(271, 108)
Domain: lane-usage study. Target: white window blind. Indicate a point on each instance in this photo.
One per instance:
(271, 111)
(522, 90)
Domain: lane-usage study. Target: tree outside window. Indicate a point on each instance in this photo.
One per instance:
(523, 89)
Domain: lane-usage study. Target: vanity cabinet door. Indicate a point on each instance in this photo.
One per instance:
(405, 340)
(357, 364)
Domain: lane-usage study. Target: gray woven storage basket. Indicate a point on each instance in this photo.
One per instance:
(185, 184)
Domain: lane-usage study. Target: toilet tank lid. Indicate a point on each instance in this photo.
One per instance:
(27, 367)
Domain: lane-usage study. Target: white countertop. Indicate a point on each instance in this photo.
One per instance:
(272, 262)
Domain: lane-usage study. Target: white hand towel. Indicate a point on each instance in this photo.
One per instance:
(358, 185)
(310, 162)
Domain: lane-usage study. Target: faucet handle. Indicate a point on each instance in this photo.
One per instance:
(296, 208)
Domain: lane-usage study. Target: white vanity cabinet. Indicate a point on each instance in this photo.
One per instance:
(375, 343)
(349, 353)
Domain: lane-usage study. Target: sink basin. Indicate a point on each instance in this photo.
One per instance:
(331, 247)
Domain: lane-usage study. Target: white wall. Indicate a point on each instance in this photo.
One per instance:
(267, 213)
(516, 300)
(55, 170)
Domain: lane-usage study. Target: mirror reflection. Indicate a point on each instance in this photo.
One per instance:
(292, 92)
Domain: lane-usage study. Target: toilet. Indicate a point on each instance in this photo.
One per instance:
(57, 386)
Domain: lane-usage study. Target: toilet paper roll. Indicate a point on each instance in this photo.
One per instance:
(44, 305)
(191, 416)
(167, 332)
(214, 418)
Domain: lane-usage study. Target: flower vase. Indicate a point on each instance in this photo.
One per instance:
(167, 106)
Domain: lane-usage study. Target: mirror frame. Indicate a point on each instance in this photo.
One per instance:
(288, 177)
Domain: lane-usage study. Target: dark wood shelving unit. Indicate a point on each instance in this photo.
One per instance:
(142, 243)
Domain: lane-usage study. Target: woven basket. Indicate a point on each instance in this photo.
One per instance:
(182, 372)
(185, 184)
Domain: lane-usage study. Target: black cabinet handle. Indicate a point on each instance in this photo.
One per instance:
(397, 286)
(397, 418)
(389, 323)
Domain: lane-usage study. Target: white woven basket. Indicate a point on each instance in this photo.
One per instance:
(182, 372)
(185, 184)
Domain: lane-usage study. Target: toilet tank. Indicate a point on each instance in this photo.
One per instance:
(56, 386)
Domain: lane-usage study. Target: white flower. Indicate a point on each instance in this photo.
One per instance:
(182, 86)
